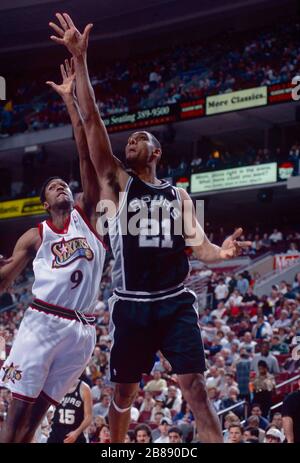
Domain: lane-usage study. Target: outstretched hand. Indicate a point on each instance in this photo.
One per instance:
(69, 35)
(68, 79)
(233, 248)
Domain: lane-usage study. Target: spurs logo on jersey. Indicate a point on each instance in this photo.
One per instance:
(146, 237)
(152, 203)
(66, 252)
(71, 400)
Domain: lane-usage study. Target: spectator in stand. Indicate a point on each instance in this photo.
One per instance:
(159, 407)
(104, 434)
(235, 434)
(266, 242)
(102, 407)
(221, 291)
(262, 329)
(248, 343)
(278, 347)
(142, 434)
(229, 419)
(174, 399)
(96, 389)
(148, 402)
(185, 415)
(264, 385)
(155, 431)
(214, 396)
(232, 399)
(214, 377)
(165, 424)
(291, 416)
(259, 420)
(275, 236)
(250, 298)
(283, 288)
(283, 321)
(242, 284)
(157, 383)
(296, 283)
(251, 435)
(265, 355)
(235, 300)
(274, 436)
(129, 438)
(175, 435)
(220, 311)
(277, 421)
(228, 384)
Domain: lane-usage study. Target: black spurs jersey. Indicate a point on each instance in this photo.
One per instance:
(68, 416)
(147, 240)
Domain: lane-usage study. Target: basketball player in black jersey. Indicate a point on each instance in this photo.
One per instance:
(151, 309)
(72, 416)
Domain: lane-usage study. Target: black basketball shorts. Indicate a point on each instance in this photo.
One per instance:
(140, 327)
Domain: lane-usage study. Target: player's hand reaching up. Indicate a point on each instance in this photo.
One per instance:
(232, 247)
(69, 35)
(66, 88)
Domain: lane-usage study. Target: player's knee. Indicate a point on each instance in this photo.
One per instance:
(124, 396)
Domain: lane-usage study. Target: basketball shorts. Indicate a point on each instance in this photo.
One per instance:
(141, 328)
(47, 356)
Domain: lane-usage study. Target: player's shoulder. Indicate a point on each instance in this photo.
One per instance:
(31, 236)
(30, 240)
(84, 387)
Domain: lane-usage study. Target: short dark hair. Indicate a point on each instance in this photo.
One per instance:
(236, 425)
(143, 427)
(175, 429)
(155, 141)
(263, 364)
(253, 431)
(44, 186)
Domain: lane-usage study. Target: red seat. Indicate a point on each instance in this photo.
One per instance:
(144, 416)
(133, 425)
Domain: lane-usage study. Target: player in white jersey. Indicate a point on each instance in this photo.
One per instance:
(56, 337)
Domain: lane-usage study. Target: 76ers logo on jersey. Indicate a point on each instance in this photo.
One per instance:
(11, 373)
(65, 252)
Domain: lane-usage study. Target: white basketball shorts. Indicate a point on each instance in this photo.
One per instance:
(47, 356)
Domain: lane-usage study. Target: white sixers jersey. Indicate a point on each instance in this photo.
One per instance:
(68, 265)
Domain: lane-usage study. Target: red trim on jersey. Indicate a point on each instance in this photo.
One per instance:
(61, 231)
(24, 398)
(40, 228)
(59, 307)
(85, 218)
(52, 401)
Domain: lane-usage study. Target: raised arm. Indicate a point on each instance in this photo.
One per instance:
(110, 172)
(24, 250)
(198, 241)
(66, 90)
